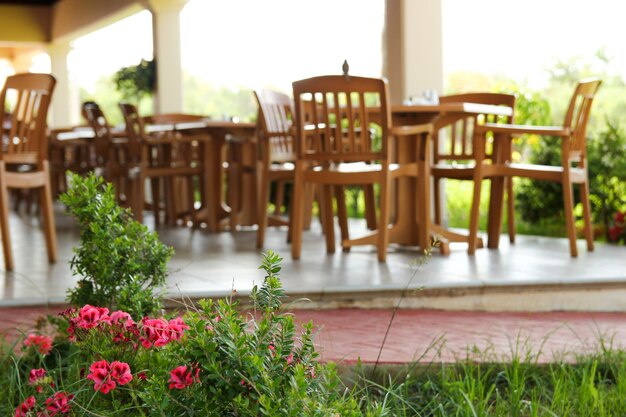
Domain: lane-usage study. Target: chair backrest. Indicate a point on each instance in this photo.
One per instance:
(27, 98)
(276, 123)
(577, 115)
(341, 126)
(102, 131)
(135, 129)
(459, 131)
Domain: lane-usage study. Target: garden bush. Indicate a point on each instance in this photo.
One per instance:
(121, 263)
(213, 360)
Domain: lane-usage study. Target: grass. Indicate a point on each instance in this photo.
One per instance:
(592, 385)
(459, 201)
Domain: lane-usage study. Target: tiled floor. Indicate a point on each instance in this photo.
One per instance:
(210, 264)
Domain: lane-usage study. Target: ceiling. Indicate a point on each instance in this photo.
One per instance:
(29, 2)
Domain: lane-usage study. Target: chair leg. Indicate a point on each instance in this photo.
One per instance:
(584, 197)
(280, 197)
(136, 195)
(437, 198)
(342, 215)
(370, 206)
(309, 196)
(48, 216)
(263, 200)
(234, 187)
(297, 213)
(568, 203)
(383, 221)
(328, 216)
(4, 220)
(510, 199)
(474, 216)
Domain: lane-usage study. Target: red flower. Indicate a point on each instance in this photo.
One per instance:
(615, 233)
(36, 375)
(290, 359)
(180, 378)
(122, 318)
(142, 376)
(90, 316)
(619, 217)
(25, 407)
(155, 332)
(176, 328)
(120, 372)
(59, 403)
(43, 344)
(101, 376)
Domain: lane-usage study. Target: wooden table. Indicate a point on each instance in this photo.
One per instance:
(215, 136)
(413, 195)
(212, 136)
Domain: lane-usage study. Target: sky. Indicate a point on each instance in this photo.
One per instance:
(273, 42)
(520, 39)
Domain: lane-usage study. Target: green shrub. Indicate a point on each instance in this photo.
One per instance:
(120, 262)
(212, 361)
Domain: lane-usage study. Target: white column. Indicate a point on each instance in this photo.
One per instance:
(413, 60)
(166, 32)
(64, 110)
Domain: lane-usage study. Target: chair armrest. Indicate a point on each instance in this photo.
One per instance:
(412, 129)
(523, 129)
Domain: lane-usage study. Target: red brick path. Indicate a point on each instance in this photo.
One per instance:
(347, 334)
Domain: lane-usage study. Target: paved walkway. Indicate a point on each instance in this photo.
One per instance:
(345, 335)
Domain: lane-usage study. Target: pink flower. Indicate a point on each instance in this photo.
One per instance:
(142, 376)
(159, 332)
(122, 318)
(25, 407)
(154, 331)
(43, 344)
(120, 372)
(290, 359)
(176, 328)
(101, 376)
(90, 316)
(59, 403)
(36, 376)
(180, 378)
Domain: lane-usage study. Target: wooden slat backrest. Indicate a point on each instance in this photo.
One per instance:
(276, 125)
(135, 129)
(27, 98)
(577, 115)
(102, 131)
(460, 130)
(337, 128)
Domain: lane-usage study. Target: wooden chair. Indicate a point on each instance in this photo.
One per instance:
(335, 148)
(162, 156)
(24, 162)
(115, 158)
(276, 155)
(453, 150)
(573, 168)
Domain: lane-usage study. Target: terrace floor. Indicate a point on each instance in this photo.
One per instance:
(528, 297)
(211, 264)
